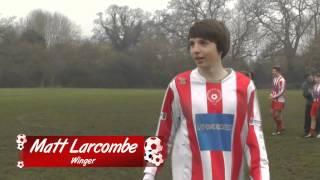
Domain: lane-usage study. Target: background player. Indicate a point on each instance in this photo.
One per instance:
(315, 106)
(278, 99)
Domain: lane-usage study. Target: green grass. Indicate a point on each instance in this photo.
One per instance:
(130, 112)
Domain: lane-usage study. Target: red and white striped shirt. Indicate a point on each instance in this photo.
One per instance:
(278, 88)
(316, 93)
(213, 129)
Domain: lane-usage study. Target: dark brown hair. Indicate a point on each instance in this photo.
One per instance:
(277, 68)
(214, 31)
(249, 74)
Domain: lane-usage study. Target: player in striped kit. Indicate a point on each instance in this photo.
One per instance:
(315, 106)
(278, 99)
(210, 117)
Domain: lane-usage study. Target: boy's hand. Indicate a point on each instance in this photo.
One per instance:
(148, 176)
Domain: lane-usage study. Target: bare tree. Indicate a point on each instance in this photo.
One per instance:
(199, 9)
(285, 21)
(315, 9)
(60, 29)
(6, 23)
(121, 26)
(55, 28)
(177, 19)
(312, 56)
(244, 33)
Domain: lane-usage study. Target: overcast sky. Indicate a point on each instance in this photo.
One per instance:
(81, 12)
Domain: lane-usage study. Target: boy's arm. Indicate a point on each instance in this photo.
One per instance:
(255, 149)
(168, 122)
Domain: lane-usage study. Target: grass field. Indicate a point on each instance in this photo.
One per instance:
(130, 112)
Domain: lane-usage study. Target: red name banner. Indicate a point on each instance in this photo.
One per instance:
(81, 151)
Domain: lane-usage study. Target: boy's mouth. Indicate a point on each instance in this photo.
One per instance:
(199, 60)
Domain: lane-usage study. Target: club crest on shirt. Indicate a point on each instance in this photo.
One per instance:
(163, 116)
(182, 81)
(214, 95)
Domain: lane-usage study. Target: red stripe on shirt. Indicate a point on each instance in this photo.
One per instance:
(253, 145)
(217, 160)
(166, 123)
(237, 151)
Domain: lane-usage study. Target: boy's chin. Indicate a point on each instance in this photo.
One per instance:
(202, 65)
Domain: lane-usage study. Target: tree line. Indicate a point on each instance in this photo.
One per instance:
(132, 48)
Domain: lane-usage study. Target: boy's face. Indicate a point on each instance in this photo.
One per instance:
(274, 72)
(317, 79)
(310, 78)
(204, 52)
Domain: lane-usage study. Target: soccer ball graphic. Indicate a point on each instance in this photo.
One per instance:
(20, 146)
(157, 159)
(148, 156)
(21, 138)
(20, 164)
(152, 148)
(153, 144)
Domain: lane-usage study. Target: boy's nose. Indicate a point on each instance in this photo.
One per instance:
(195, 48)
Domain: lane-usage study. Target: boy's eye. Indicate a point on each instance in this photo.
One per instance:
(199, 42)
(203, 42)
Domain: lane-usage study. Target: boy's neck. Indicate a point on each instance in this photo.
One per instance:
(214, 73)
